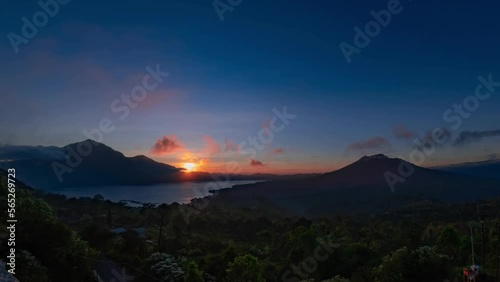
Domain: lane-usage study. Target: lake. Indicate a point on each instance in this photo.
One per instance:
(159, 193)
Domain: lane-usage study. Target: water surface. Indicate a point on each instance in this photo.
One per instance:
(159, 193)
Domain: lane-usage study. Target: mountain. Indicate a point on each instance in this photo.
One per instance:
(102, 166)
(358, 187)
(490, 169)
(90, 163)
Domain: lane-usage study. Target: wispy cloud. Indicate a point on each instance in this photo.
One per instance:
(229, 146)
(429, 138)
(211, 146)
(374, 143)
(401, 132)
(278, 151)
(492, 156)
(166, 145)
(468, 137)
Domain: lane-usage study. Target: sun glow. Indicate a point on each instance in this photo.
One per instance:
(189, 166)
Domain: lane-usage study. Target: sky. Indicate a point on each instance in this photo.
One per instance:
(221, 72)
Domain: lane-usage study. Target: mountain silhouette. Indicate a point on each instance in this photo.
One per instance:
(100, 166)
(362, 186)
(90, 163)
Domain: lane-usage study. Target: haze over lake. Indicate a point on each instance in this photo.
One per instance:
(159, 193)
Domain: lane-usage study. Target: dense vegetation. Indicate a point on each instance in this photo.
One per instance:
(60, 239)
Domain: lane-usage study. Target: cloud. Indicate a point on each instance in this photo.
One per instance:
(212, 147)
(402, 133)
(229, 146)
(437, 137)
(166, 145)
(374, 143)
(492, 156)
(266, 124)
(468, 137)
(9, 152)
(278, 151)
(255, 163)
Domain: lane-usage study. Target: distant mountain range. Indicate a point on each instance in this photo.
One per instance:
(360, 186)
(490, 169)
(37, 167)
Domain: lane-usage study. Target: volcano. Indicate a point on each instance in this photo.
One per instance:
(371, 183)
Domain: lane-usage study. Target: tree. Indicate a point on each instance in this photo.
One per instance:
(193, 274)
(109, 219)
(56, 246)
(423, 264)
(133, 243)
(166, 267)
(245, 268)
(448, 241)
(97, 236)
(32, 269)
(337, 278)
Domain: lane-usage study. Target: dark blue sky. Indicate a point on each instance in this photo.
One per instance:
(225, 78)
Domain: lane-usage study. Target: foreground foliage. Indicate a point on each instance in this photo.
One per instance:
(62, 239)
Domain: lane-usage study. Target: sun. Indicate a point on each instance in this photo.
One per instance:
(189, 166)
